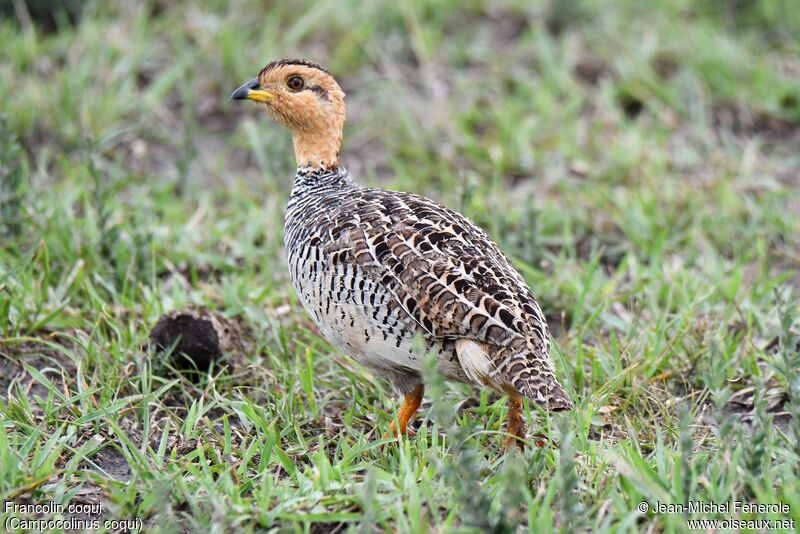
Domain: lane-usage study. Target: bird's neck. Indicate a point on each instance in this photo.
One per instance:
(317, 149)
(317, 181)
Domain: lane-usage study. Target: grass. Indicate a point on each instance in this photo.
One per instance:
(638, 161)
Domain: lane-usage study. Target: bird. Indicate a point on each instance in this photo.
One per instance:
(378, 270)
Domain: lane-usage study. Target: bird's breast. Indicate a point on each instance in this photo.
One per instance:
(351, 306)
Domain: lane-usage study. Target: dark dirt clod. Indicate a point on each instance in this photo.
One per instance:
(193, 338)
(199, 337)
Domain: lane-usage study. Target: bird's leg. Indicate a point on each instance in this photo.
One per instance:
(515, 425)
(411, 402)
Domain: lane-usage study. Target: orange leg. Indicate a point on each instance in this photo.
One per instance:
(410, 405)
(515, 425)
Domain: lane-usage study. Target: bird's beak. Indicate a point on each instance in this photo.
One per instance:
(251, 91)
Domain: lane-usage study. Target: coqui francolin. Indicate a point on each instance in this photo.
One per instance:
(378, 269)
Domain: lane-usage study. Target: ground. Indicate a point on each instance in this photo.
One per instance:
(638, 161)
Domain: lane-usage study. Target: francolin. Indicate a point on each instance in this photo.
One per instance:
(378, 269)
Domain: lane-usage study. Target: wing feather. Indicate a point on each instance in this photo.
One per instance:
(441, 268)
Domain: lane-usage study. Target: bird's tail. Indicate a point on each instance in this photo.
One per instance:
(558, 399)
(552, 397)
(540, 385)
(514, 371)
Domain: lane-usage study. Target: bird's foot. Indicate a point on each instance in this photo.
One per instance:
(512, 442)
(408, 431)
(518, 442)
(540, 440)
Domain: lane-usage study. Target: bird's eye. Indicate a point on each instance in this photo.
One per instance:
(295, 83)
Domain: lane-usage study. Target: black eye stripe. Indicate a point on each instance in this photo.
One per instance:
(323, 94)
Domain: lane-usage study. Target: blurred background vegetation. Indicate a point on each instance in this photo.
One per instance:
(639, 161)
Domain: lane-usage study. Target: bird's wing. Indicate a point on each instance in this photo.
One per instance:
(442, 269)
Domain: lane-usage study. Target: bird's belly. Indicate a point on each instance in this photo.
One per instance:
(358, 314)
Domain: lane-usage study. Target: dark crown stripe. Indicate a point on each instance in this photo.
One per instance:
(301, 62)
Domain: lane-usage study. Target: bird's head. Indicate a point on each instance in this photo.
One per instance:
(304, 97)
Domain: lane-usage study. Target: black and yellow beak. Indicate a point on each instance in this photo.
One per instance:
(251, 91)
